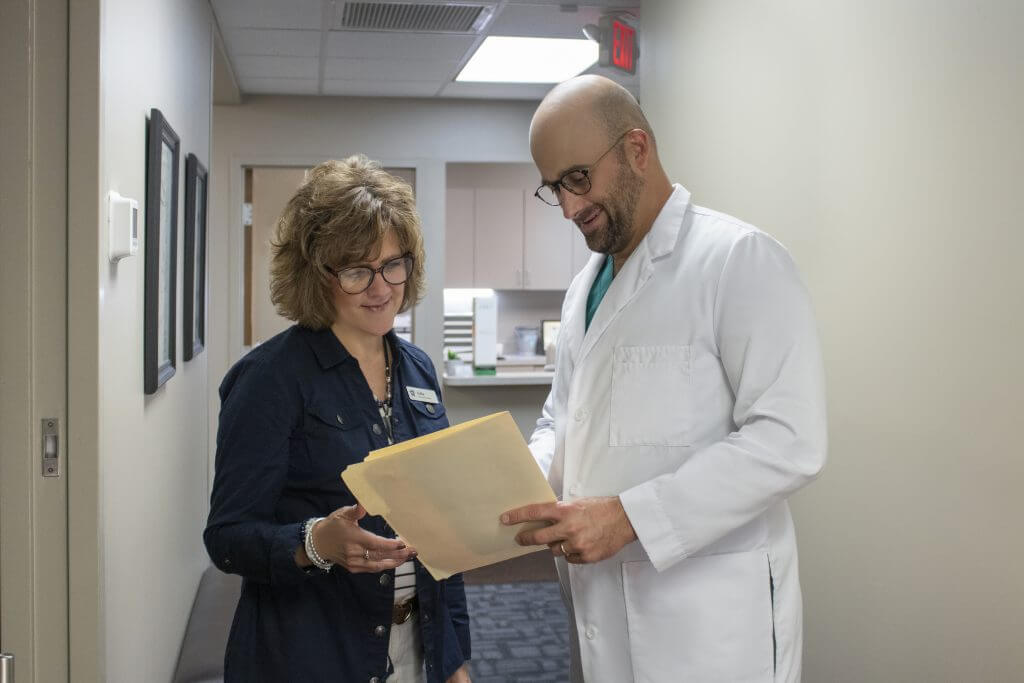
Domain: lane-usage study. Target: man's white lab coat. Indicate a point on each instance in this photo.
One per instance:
(697, 396)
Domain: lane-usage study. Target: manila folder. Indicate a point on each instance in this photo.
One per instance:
(444, 492)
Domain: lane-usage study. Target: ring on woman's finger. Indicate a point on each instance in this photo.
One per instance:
(366, 554)
(561, 546)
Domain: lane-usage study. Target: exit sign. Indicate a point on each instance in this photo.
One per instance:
(618, 46)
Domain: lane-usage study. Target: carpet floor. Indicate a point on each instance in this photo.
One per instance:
(518, 623)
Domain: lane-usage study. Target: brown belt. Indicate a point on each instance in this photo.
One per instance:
(402, 612)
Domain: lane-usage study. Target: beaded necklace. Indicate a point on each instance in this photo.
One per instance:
(385, 405)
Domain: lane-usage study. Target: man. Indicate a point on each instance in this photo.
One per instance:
(687, 405)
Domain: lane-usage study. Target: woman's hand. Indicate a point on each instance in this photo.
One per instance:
(338, 538)
(460, 676)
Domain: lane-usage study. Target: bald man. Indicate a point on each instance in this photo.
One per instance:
(687, 405)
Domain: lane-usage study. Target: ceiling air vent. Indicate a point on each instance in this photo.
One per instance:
(432, 17)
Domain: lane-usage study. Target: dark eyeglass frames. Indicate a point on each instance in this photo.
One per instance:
(357, 279)
(576, 181)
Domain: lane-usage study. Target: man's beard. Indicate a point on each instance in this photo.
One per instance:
(618, 208)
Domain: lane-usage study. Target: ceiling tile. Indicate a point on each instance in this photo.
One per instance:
(282, 43)
(279, 86)
(544, 21)
(306, 14)
(276, 67)
(377, 45)
(389, 70)
(382, 88)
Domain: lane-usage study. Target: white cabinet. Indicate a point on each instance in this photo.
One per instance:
(580, 253)
(498, 251)
(547, 245)
(507, 239)
(459, 238)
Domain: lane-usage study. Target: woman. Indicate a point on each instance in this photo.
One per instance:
(329, 593)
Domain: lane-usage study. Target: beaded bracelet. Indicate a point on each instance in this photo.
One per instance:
(314, 557)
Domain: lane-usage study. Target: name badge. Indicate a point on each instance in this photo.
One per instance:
(425, 395)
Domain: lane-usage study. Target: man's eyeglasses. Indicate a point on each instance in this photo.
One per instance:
(357, 279)
(576, 181)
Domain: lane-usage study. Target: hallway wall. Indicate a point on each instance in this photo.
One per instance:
(148, 496)
(881, 142)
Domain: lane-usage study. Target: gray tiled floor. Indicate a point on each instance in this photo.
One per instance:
(520, 633)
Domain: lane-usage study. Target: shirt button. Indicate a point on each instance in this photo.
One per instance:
(430, 409)
(376, 429)
(574, 490)
(591, 633)
(341, 420)
(374, 680)
(227, 561)
(380, 631)
(580, 414)
(425, 617)
(385, 579)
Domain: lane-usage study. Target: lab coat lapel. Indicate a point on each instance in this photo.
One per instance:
(659, 241)
(575, 315)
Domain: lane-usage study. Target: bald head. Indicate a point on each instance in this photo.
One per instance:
(589, 101)
(595, 152)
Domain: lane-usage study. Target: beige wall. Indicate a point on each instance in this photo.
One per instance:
(882, 143)
(138, 488)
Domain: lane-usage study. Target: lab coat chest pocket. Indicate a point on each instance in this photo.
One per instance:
(707, 619)
(650, 396)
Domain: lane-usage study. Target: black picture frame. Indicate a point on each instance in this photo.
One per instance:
(194, 313)
(162, 156)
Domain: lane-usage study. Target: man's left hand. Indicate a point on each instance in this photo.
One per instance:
(585, 530)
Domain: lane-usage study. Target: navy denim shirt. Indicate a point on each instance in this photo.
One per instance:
(295, 412)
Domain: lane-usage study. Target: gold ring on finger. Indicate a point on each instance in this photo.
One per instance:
(366, 554)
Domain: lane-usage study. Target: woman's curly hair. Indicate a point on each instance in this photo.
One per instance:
(338, 217)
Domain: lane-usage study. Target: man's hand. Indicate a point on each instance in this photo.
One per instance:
(586, 530)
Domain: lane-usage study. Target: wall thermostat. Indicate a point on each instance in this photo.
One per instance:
(123, 223)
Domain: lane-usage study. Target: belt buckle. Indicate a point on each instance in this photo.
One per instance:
(402, 612)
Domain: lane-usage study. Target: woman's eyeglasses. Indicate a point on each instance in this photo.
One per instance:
(357, 279)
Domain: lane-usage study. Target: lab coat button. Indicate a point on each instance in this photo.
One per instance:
(341, 420)
(574, 490)
(580, 414)
(376, 429)
(591, 633)
(380, 631)
(385, 579)
(374, 680)
(430, 409)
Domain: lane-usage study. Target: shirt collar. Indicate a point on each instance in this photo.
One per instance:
(664, 232)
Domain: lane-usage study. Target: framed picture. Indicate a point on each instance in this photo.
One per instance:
(194, 313)
(549, 332)
(162, 151)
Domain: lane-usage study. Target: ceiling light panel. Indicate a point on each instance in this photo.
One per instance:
(508, 59)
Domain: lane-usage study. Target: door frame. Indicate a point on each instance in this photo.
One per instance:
(33, 348)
